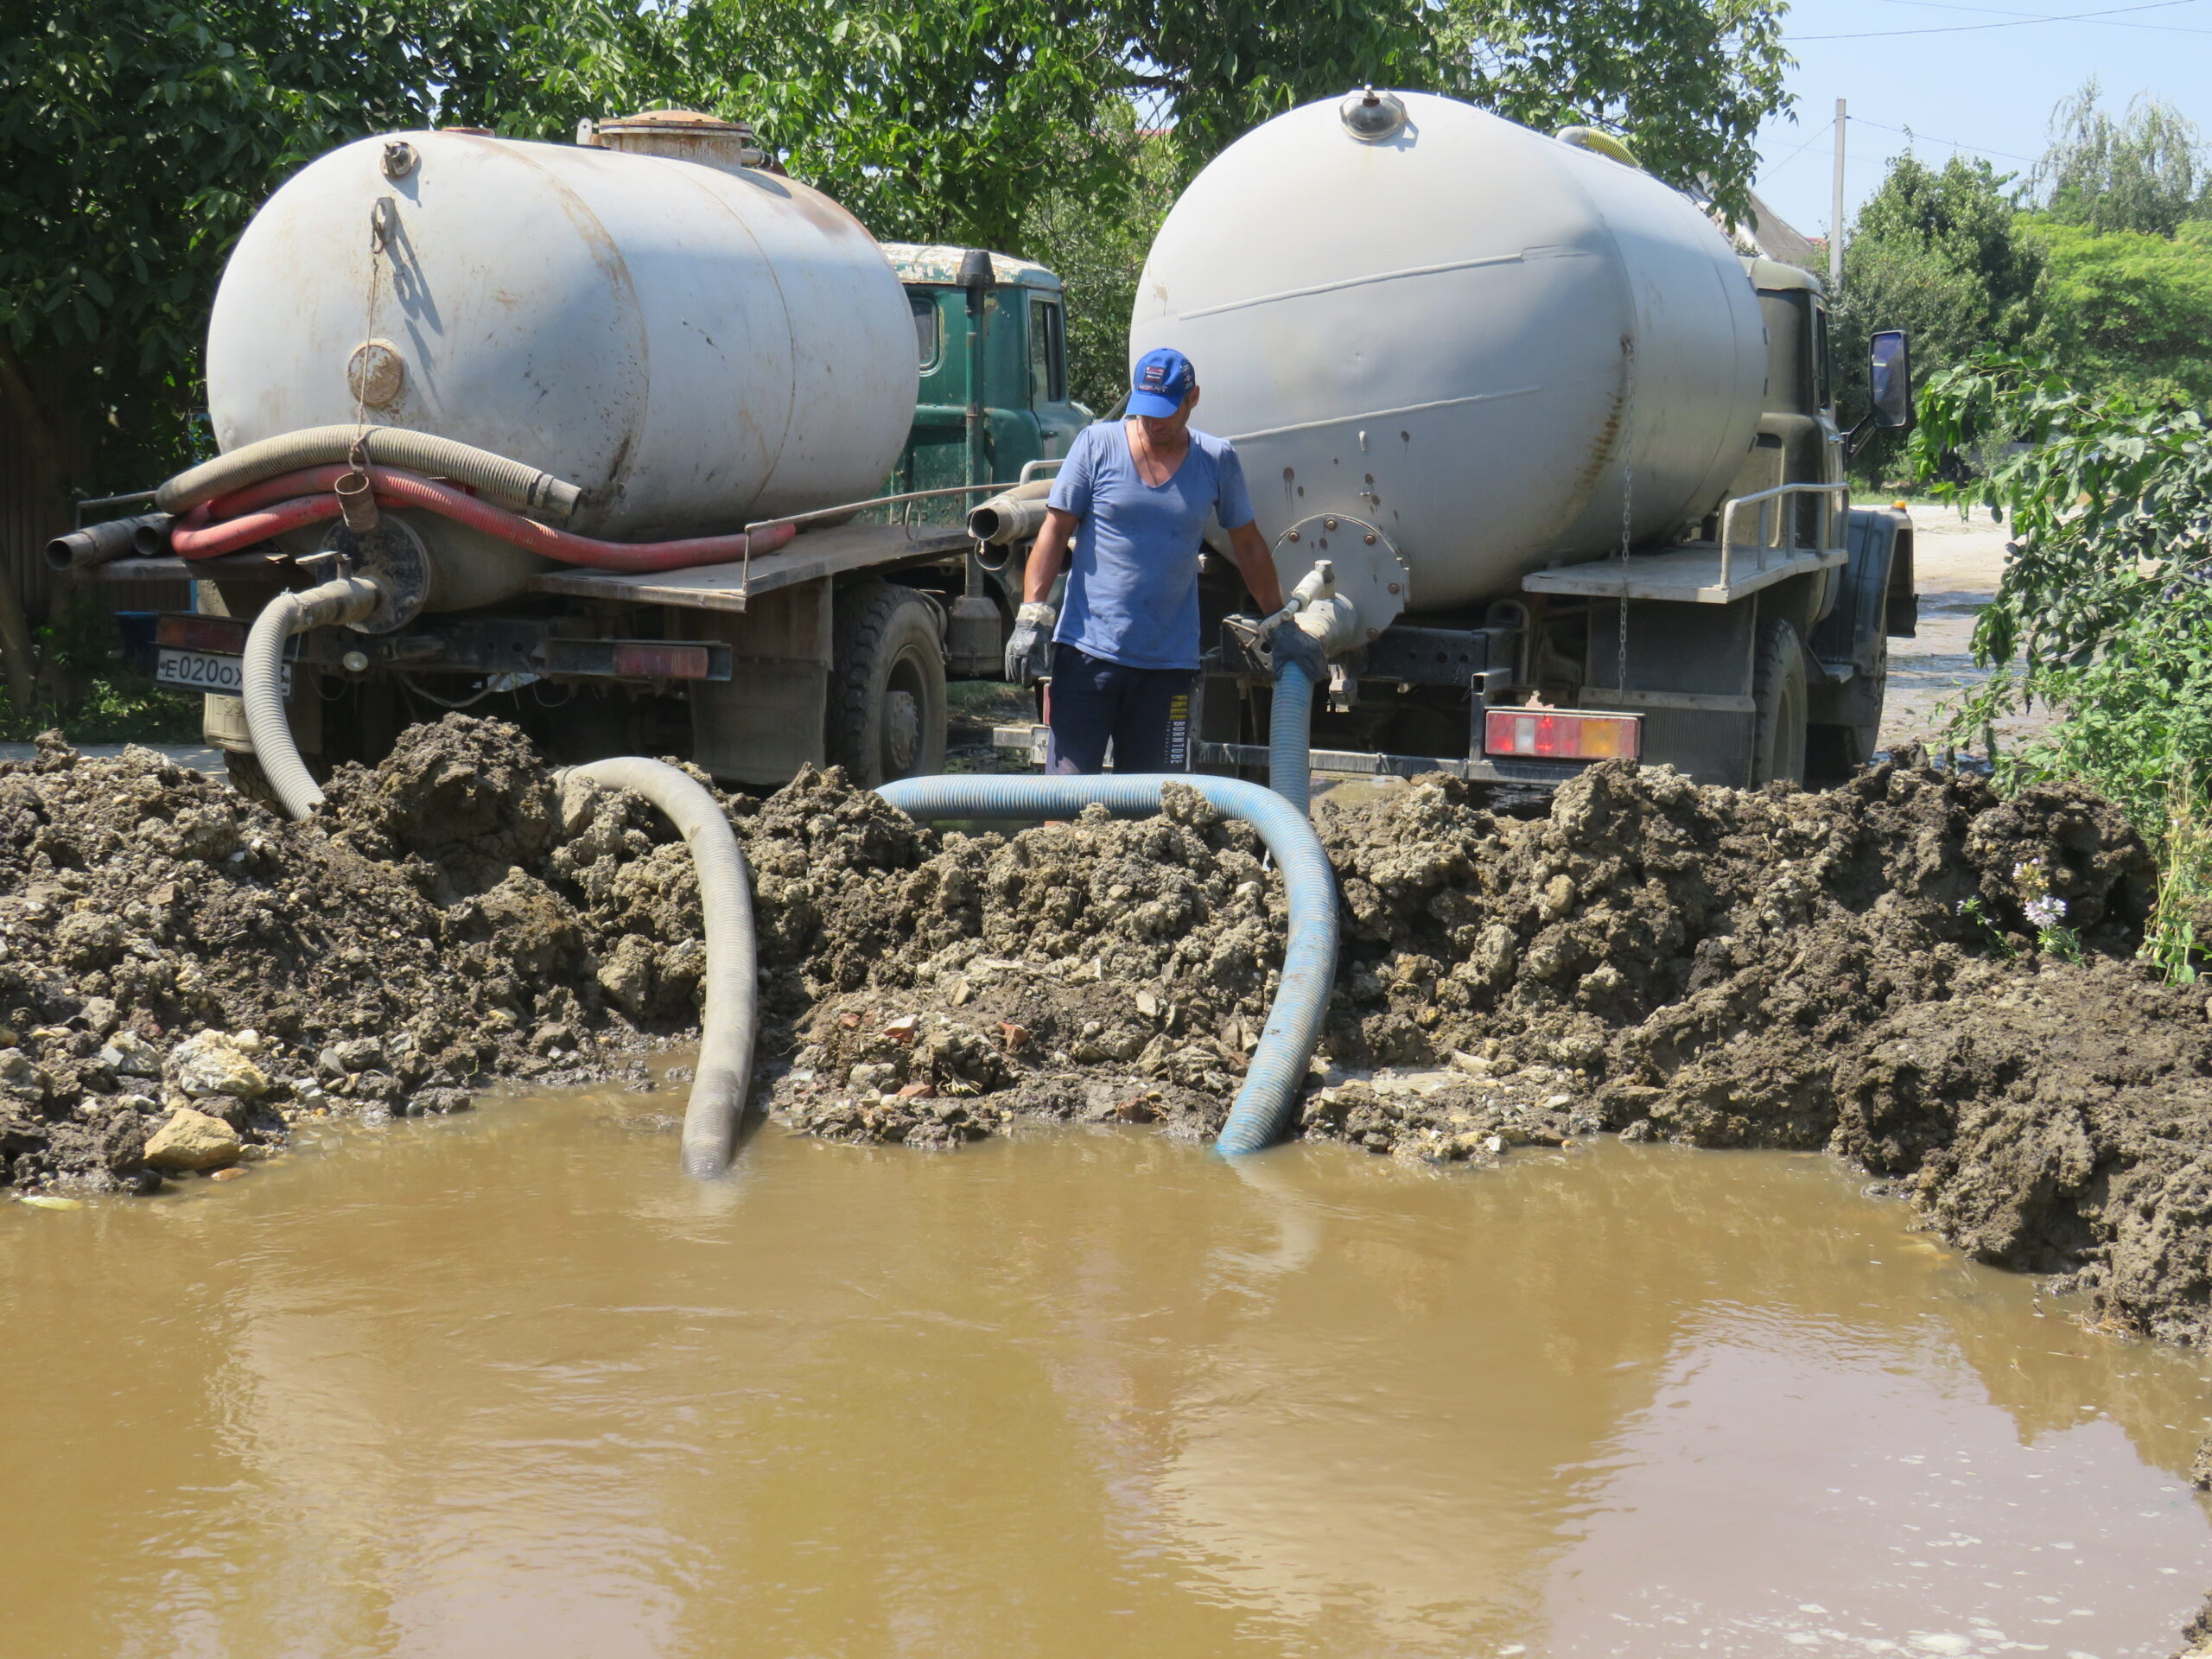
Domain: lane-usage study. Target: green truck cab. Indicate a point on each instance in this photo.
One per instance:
(1021, 325)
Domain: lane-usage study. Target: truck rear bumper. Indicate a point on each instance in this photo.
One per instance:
(1342, 763)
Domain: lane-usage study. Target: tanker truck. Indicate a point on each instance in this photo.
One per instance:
(1572, 465)
(649, 448)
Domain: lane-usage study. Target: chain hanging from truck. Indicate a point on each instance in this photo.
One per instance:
(1628, 505)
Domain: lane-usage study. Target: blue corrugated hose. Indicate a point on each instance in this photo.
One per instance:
(1266, 1104)
(1290, 737)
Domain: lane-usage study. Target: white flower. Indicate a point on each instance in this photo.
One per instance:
(2046, 912)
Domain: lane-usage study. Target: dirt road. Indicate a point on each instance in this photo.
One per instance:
(1957, 563)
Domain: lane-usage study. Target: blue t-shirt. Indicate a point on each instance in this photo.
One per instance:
(1133, 576)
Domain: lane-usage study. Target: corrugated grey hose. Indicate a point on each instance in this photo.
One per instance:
(727, 1021)
(510, 483)
(346, 599)
(1268, 1103)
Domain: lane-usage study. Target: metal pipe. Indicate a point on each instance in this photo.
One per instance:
(730, 1013)
(1267, 1104)
(96, 545)
(976, 276)
(1015, 515)
(846, 509)
(261, 669)
(196, 537)
(93, 503)
(508, 482)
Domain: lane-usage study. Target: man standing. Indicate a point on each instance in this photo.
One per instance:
(1133, 498)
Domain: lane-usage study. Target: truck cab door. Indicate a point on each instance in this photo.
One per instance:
(1058, 419)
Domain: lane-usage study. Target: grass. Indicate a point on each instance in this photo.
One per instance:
(2185, 886)
(120, 707)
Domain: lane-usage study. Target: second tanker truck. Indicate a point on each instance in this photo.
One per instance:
(1577, 464)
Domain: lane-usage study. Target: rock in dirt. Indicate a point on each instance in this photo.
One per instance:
(216, 1063)
(192, 1140)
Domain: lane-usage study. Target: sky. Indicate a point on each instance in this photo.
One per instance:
(1978, 90)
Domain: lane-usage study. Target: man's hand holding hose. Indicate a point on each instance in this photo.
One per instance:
(1292, 644)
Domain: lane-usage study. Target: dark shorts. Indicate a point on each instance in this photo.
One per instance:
(1146, 711)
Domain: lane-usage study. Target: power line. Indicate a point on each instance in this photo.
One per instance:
(2037, 17)
(2017, 23)
(2002, 154)
(1802, 148)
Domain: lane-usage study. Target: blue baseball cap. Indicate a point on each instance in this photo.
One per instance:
(1160, 382)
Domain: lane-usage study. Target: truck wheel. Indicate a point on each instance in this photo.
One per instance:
(1833, 753)
(887, 690)
(1778, 690)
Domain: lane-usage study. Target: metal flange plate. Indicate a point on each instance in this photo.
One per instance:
(1369, 573)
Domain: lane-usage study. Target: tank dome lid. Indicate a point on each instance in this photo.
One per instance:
(693, 120)
(684, 135)
(1372, 117)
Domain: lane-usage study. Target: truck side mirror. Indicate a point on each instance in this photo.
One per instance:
(1891, 377)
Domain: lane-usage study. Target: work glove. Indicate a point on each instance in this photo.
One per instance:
(1294, 644)
(1029, 647)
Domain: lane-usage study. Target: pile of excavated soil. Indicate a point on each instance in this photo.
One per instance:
(1855, 970)
(185, 973)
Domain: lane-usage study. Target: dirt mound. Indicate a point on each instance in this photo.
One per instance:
(170, 944)
(1884, 970)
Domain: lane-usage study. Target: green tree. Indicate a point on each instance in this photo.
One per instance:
(2130, 311)
(1943, 255)
(141, 134)
(1688, 82)
(2143, 173)
(1099, 255)
(2103, 611)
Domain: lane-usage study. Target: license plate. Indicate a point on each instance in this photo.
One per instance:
(206, 671)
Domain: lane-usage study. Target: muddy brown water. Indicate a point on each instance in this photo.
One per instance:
(505, 1385)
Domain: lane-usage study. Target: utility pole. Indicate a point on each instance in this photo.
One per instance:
(1835, 212)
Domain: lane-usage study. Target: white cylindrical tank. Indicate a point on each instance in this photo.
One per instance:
(1472, 336)
(694, 344)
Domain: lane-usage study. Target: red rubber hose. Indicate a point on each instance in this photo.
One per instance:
(193, 537)
(262, 513)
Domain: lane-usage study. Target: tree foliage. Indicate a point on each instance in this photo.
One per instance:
(2103, 611)
(140, 135)
(2144, 172)
(2130, 311)
(140, 138)
(1940, 254)
(1688, 82)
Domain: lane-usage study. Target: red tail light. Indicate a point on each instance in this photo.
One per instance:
(1556, 734)
(661, 662)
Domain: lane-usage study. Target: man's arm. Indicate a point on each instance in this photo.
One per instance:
(1249, 549)
(1047, 556)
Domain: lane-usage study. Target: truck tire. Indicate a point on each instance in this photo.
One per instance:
(1835, 752)
(887, 685)
(1778, 691)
